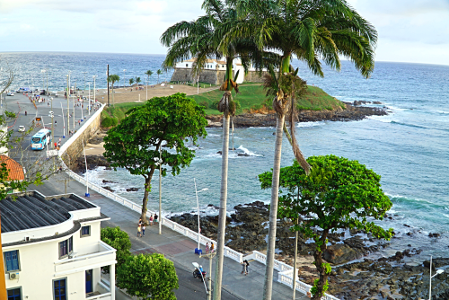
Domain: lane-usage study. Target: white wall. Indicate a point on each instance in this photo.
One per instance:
(38, 270)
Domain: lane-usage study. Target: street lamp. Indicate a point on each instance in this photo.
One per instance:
(84, 81)
(439, 271)
(198, 250)
(209, 279)
(124, 72)
(94, 77)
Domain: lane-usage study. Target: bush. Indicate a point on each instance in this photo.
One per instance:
(119, 240)
(148, 276)
(109, 122)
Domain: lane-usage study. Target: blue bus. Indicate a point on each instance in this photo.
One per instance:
(41, 139)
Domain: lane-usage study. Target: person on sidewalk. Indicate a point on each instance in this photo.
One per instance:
(139, 231)
(246, 267)
(207, 248)
(143, 229)
(151, 220)
(212, 248)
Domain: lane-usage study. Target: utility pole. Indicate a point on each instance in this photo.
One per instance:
(95, 76)
(107, 77)
(88, 107)
(68, 107)
(74, 110)
(84, 81)
(209, 279)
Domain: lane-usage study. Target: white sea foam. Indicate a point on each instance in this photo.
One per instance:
(310, 124)
(246, 151)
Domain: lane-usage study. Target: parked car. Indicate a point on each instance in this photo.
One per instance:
(10, 94)
(21, 128)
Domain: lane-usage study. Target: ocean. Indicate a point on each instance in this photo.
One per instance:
(408, 148)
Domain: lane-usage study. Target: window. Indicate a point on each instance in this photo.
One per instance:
(85, 231)
(12, 260)
(65, 247)
(14, 294)
(59, 287)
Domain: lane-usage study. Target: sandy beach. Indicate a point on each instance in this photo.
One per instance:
(128, 94)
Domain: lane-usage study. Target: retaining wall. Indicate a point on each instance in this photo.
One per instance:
(215, 77)
(73, 147)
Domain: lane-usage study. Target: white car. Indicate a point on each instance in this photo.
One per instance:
(10, 94)
(21, 128)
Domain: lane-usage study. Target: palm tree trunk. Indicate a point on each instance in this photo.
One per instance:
(2, 269)
(221, 233)
(222, 211)
(268, 285)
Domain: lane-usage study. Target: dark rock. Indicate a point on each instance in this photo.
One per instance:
(108, 188)
(341, 253)
(132, 190)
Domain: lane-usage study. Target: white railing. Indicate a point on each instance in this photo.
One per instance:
(285, 271)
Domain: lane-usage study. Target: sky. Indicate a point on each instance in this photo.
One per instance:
(414, 31)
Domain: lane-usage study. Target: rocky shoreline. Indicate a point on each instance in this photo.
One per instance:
(352, 112)
(354, 276)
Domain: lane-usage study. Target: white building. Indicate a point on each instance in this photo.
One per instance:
(217, 65)
(52, 249)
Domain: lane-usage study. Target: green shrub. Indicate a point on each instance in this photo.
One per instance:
(205, 104)
(109, 122)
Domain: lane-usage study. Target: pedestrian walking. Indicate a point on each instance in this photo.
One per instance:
(26, 114)
(212, 247)
(155, 218)
(151, 220)
(143, 229)
(139, 231)
(246, 267)
(207, 247)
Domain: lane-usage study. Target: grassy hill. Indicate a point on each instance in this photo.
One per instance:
(251, 98)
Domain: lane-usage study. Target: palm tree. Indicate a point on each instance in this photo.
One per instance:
(138, 81)
(158, 72)
(131, 81)
(202, 39)
(148, 73)
(307, 29)
(112, 79)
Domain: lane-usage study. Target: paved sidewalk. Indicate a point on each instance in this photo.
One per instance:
(177, 248)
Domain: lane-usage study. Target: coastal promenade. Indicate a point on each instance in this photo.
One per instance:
(176, 247)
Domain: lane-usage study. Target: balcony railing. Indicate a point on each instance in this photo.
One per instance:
(104, 256)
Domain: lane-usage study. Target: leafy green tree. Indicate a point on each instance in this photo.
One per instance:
(138, 80)
(338, 194)
(131, 81)
(136, 143)
(158, 72)
(310, 30)
(148, 276)
(119, 240)
(113, 79)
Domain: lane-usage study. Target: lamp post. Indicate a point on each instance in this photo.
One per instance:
(68, 106)
(95, 76)
(209, 279)
(198, 250)
(160, 190)
(88, 107)
(87, 176)
(439, 271)
(124, 72)
(43, 81)
(84, 81)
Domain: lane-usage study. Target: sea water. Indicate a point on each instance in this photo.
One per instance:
(408, 148)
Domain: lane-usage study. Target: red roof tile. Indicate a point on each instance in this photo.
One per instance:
(15, 169)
